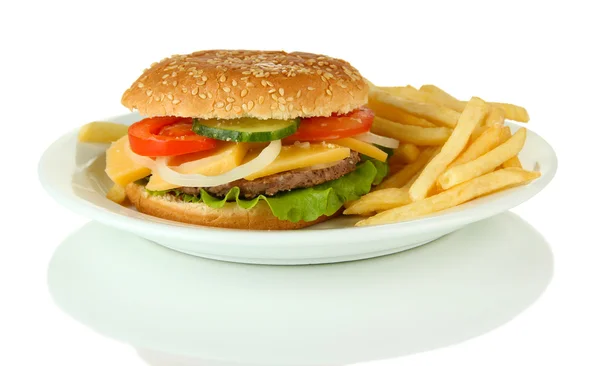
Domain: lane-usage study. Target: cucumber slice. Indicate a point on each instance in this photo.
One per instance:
(245, 129)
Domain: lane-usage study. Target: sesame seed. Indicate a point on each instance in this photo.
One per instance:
(274, 96)
(263, 83)
(230, 99)
(170, 96)
(245, 107)
(140, 85)
(195, 91)
(219, 105)
(261, 100)
(328, 92)
(310, 88)
(323, 78)
(271, 91)
(281, 91)
(202, 96)
(156, 98)
(148, 92)
(281, 100)
(226, 89)
(165, 76)
(175, 83)
(184, 90)
(176, 101)
(299, 93)
(290, 107)
(173, 74)
(228, 107)
(250, 105)
(246, 72)
(164, 82)
(204, 78)
(200, 82)
(233, 83)
(289, 99)
(237, 109)
(249, 85)
(269, 83)
(209, 94)
(244, 92)
(273, 106)
(328, 75)
(282, 107)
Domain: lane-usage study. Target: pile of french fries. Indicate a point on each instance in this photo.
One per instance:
(451, 152)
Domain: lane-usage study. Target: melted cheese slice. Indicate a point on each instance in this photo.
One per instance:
(227, 157)
(362, 147)
(119, 166)
(300, 156)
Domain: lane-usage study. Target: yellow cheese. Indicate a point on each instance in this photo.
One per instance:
(224, 159)
(362, 147)
(119, 166)
(301, 156)
(104, 132)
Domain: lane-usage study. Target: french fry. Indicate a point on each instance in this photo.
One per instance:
(485, 163)
(506, 134)
(513, 162)
(404, 175)
(380, 200)
(116, 194)
(457, 195)
(376, 202)
(488, 140)
(405, 154)
(420, 136)
(407, 92)
(494, 116)
(443, 98)
(437, 114)
(397, 115)
(102, 132)
(511, 111)
(472, 115)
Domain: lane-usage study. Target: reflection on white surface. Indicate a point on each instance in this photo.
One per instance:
(166, 303)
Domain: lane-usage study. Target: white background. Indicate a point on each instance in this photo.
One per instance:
(63, 65)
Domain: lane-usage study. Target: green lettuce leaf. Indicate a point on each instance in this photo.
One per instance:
(307, 203)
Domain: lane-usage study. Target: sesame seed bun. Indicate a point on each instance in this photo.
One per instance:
(230, 84)
(230, 216)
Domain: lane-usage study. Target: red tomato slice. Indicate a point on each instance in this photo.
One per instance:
(166, 136)
(334, 127)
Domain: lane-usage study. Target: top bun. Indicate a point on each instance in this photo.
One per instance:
(230, 84)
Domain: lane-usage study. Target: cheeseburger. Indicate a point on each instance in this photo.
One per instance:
(263, 140)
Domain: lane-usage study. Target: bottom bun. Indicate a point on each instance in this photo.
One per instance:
(230, 215)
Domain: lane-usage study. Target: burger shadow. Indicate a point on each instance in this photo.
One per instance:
(181, 310)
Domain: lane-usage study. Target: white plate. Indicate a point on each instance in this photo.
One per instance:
(183, 310)
(73, 174)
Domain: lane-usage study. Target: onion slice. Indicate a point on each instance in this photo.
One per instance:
(379, 140)
(139, 159)
(266, 157)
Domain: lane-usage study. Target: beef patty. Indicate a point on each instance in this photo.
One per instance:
(284, 181)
